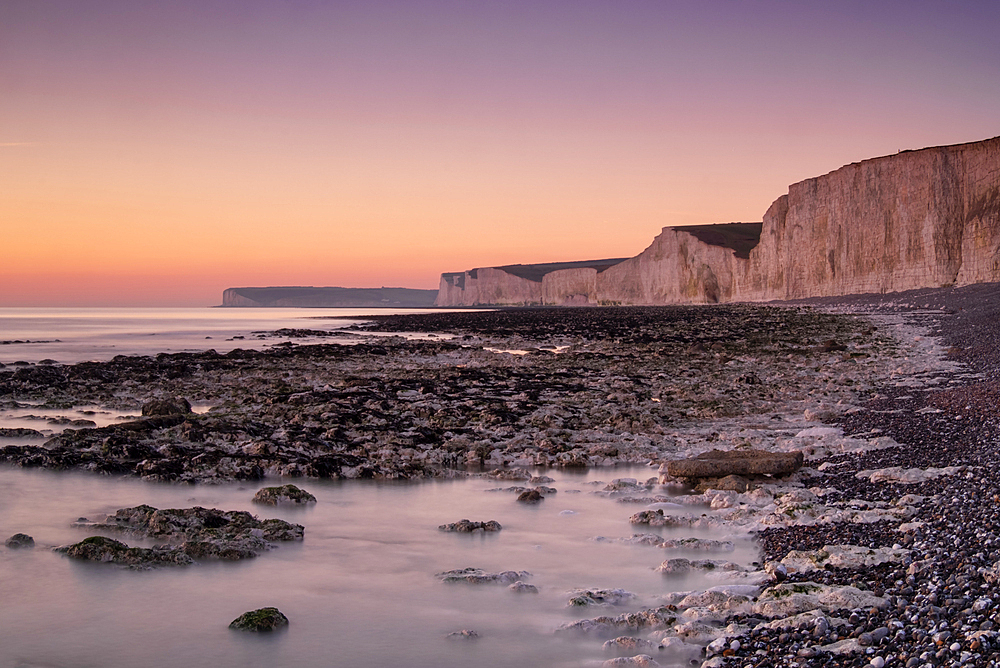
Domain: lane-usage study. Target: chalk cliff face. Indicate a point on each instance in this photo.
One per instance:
(916, 219)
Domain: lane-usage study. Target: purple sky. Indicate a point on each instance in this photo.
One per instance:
(158, 152)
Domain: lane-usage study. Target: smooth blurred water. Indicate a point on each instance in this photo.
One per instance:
(70, 335)
(359, 590)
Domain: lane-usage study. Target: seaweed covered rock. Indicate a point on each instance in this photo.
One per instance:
(174, 406)
(203, 532)
(109, 550)
(19, 540)
(272, 496)
(468, 526)
(260, 620)
(531, 496)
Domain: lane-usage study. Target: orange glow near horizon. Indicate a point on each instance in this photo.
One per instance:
(156, 157)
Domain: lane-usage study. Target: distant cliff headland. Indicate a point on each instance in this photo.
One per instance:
(329, 297)
(916, 219)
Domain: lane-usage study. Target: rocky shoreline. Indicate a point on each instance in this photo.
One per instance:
(883, 549)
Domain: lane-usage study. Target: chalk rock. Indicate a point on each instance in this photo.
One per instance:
(479, 576)
(719, 464)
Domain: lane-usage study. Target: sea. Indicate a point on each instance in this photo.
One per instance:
(359, 590)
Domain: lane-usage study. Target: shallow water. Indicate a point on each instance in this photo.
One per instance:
(359, 590)
(70, 335)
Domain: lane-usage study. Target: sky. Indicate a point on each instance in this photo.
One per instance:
(156, 153)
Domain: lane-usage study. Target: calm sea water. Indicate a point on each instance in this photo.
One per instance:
(69, 335)
(359, 590)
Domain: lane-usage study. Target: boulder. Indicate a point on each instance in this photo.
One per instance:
(531, 496)
(260, 620)
(174, 406)
(20, 540)
(272, 496)
(719, 464)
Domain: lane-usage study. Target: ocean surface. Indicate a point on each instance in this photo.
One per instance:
(360, 590)
(69, 335)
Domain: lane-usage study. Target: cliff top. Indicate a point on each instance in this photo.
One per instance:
(535, 272)
(740, 237)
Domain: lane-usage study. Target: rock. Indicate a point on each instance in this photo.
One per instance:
(109, 550)
(479, 576)
(777, 571)
(467, 526)
(587, 597)
(20, 432)
(523, 588)
(786, 599)
(697, 544)
(629, 622)
(203, 532)
(175, 406)
(464, 634)
(682, 566)
(639, 661)
(628, 643)
(260, 620)
(19, 540)
(273, 496)
(842, 556)
(730, 483)
(719, 464)
(530, 496)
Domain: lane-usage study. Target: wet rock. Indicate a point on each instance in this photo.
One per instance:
(479, 576)
(592, 597)
(108, 550)
(629, 644)
(530, 496)
(203, 532)
(638, 661)
(19, 540)
(272, 496)
(629, 622)
(174, 406)
(20, 432)
(730, 483)
(523, 588)
(464, 634)
(719, 464)
(684, 566)
(261, 620)
(468, 526)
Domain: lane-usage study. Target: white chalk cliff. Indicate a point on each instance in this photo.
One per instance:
(916, 219)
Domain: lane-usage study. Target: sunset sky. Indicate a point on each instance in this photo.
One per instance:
(155, 153)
